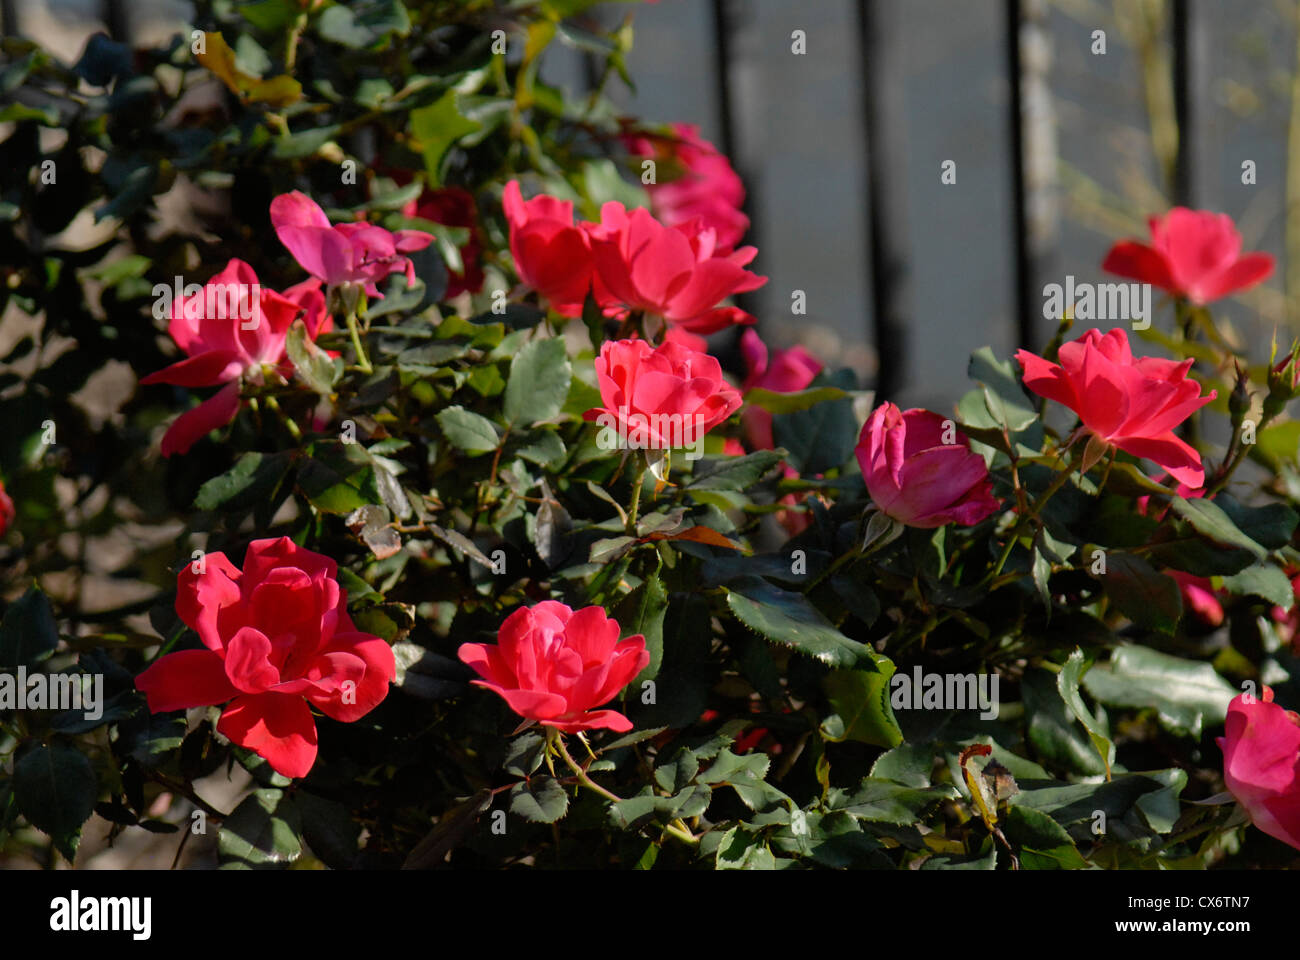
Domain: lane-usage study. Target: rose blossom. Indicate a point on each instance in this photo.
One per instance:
(708, 187)
(1261, 764)
(1193, 253)
(1130, 403)
(278, 640)
(551, 255)
(915, 477)
(554, 665)
(235, 339)
(677, 273)
(645, 391)
(338, 254)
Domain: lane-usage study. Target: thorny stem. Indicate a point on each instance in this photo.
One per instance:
(677, 829)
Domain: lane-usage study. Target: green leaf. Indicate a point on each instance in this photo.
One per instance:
(524, 754)
(151, 737)
(55, 789)
(437, 127)
(1208, 519)
(822, 437)
(643, 611)
(329, 830)
(1052, 728)
(253, 479)
(28, 633)
(733, 473)
(861, 699)
(1148, 598)
(538, 382)
(1067, 683)
(774, 402)
(788, 618)
(1185, 694)
(470, 432)
(741, 849)
(887, 802)
(1270, 525)
(1044, 843)
(263, 832)
(539, 800)
(1006, 401)
(1267, 582)
(312, 365)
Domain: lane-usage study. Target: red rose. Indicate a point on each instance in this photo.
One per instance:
(1193, 253)
(551, 255)
(554, 665)
(279, 641)
(676, 272)
(1133, 404)
(1261, 764)
(920, 470)
(660, 398)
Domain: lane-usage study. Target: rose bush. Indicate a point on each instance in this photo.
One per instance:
(394, 579)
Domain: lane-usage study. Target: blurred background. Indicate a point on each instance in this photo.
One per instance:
(1067, 122)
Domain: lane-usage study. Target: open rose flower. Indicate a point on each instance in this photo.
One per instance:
(1130, 403)
(1261, 764)
(278, 640)
(677, 273)
(1193, 253)
(230, 332)
(337, 254)
(555, 665)
(707, 187)
(916, 477)
(551, 254)
(662, 397)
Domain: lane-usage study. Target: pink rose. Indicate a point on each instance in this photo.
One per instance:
(676, 272)
(1133, 404)
(234, 330)
(663, 397)
(708, 187)
(1193, 253)
(554, 665)
(278, 641)
(1261, 764)
(916, 477)
(342, 253)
